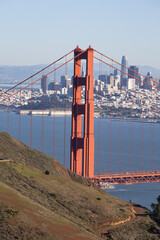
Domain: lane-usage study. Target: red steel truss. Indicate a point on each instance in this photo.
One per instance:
(127, 177)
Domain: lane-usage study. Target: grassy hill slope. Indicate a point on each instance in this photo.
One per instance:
(26, 219)
(61, 205)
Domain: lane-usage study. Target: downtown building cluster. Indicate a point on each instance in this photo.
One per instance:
(112, 91)
(128, 79)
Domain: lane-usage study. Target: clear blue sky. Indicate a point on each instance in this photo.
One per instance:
(40, 31)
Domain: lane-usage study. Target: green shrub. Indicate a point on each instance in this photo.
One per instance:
(98, 198)
(47, 172)
(156, 210)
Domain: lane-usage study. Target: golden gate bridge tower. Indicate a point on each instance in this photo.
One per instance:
(82, 144)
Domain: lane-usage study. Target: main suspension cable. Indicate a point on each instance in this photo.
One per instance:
(36, 73)
(42, 77)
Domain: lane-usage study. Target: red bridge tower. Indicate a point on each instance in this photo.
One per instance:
(82, 148)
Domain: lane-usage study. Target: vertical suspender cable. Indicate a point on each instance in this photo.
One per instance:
(20, 116)
(65, 94)
(150, 163)
(142, 138)
(54, 104)
(43, 114)
(149, 109)
(100, 154)
(142, 142)
(153, 163)
(130, 140)
(119, 159)
(31, 113)
(122, 135)
(99, 123)
(120, 129)
(140, 146)
(132, 166)
(8, 118)
(152, 138)
(110, 131)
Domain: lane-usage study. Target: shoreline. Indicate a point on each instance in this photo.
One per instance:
(45, 112)
(69, 113)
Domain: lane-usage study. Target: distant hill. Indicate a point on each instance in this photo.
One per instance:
(145, 69)
(19, 73)
(40, 199)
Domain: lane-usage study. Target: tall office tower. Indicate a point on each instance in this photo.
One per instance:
(117, 81)
(111, 80)
(146, 80)
(65, 81)
(124, 73)
(57, 86)
(134, 74)
(44, 83)
(115, 72)
(103, 78)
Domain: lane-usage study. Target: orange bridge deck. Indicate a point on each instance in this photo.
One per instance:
(127, 177)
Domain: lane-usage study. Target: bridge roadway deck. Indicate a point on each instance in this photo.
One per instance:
(127, 177)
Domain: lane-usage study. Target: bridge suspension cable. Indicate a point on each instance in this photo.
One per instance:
(40, 78)
(36, 73)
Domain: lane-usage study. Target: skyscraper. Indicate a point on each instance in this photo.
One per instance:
(65, 81)
(124, 73)
(133, 74)
(103, 78)
(115, 72)
(131, 83)
(44, 83)
(146, 80)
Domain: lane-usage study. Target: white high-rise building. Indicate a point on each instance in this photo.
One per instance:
(117, 81)
(64, 91)
(131, 83)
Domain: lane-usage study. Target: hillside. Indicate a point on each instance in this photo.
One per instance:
(61, 205)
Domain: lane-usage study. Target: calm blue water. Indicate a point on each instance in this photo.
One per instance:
(114, 150)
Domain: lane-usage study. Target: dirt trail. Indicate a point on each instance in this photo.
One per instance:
(138, 212)
(5, 160)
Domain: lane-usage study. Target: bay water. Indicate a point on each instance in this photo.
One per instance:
(120, 145)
